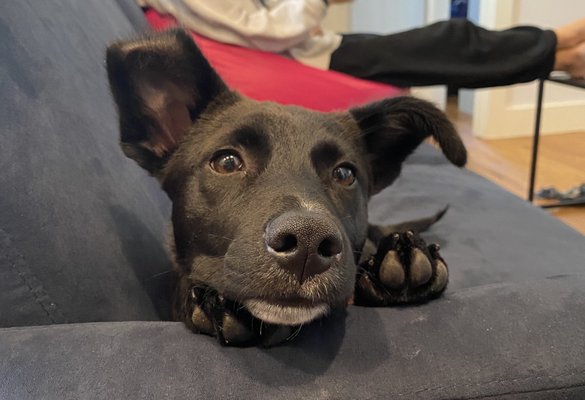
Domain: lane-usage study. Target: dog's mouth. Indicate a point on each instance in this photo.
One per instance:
(286, 311)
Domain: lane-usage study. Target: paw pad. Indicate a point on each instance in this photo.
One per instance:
(403, 270)
(210, 313)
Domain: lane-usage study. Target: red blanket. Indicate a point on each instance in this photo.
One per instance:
(267, 76)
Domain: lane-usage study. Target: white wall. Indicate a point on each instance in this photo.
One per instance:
(509, 112)
(387, 16)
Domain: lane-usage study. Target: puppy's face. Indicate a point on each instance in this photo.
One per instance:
(269, 207)
(269, 202)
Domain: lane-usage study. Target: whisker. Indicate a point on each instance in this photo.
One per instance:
(161, 274)
(295, 333)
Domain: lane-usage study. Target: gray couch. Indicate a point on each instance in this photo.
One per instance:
(84, 282)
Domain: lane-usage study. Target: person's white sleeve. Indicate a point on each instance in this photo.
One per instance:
(276, 26)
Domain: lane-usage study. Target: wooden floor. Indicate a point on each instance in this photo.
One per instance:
(561, 163)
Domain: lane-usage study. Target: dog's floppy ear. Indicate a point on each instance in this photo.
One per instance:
(393, 128)
(161, 83)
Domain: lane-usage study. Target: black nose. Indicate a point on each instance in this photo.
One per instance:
(304, 243)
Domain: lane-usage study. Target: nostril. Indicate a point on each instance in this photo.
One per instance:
(329, 247)
(284, 243)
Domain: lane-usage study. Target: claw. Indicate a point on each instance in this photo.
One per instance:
(410, 236)
(434, 248)
(368, 290)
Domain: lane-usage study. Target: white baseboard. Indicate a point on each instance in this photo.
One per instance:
(435, 94)
(493, 118)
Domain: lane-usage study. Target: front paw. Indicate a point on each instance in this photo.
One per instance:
(403, 270)
(210, 313)
(206, 311)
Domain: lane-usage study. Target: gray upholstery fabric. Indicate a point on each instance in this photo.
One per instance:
(81, 226)
(488, 235)
(511, 341)
(134, 15)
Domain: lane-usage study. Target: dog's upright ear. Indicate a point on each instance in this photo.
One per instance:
(161, 84)
(393, 128)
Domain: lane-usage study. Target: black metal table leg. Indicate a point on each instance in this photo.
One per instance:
(535, 140)
(565, 80)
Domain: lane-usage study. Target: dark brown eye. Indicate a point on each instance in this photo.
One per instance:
(227, 163)
(344, 175)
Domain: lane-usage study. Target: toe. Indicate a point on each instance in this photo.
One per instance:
(441, 277)
(201, 322)
(421, 269)
(367, 292)
(391, 271)
(234, 331)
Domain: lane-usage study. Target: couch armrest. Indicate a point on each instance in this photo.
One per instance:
(508, 340)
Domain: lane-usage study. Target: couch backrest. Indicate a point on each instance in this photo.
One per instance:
(81, 226)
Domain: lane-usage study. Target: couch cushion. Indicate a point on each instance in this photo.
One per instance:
(488, 235)
(81, 226)
(508, 341)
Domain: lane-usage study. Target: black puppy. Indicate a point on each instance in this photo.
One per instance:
(270, 201)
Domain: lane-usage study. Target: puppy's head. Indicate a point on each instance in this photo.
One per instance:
(269, 201)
